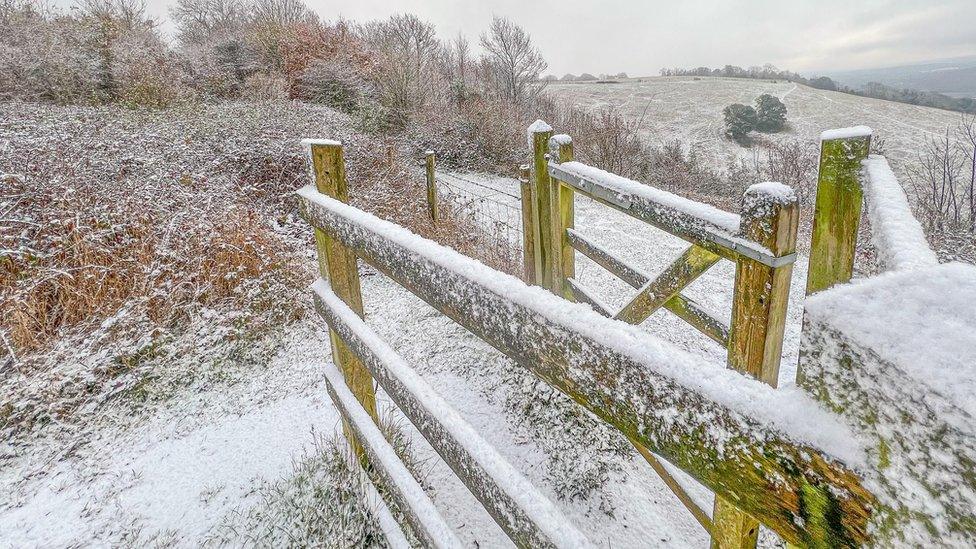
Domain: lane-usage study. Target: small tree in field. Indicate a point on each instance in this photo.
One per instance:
(770, 114)
(739, 120)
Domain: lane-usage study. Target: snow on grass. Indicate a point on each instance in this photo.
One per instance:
(896, 233)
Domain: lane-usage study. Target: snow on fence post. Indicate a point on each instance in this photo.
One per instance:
(538, 136)
(564, 255)
(431, 187)
(530, 226)
(838, 210)
(770, 217)
(337, 264)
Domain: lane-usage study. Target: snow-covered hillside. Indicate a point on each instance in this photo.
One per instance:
(690, 109)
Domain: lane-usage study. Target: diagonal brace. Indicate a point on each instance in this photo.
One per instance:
(655, 293)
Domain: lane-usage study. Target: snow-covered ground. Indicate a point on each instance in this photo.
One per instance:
(182, 473)
(690, 109)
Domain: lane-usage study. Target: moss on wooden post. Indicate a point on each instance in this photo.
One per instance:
(530, 226)
(770, 217)
(539, 134)
(564, 256)
(431, 187)
(337, 264)
(838, 210)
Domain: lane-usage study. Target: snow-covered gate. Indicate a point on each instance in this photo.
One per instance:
(780, 457)
(761, 241)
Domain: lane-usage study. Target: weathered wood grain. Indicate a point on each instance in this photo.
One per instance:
(792, 487)
(527, 517)
(337, 264)
(837, 213)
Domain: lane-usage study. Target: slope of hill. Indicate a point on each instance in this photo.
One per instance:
(690, 109)
(954, 77)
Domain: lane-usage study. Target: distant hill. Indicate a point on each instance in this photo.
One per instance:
(954, 77)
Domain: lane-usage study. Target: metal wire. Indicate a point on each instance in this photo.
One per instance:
(496, 212)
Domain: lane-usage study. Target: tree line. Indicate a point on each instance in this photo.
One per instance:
(385, 72)
(871, 89)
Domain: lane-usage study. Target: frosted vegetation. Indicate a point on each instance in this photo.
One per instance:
(154, 272)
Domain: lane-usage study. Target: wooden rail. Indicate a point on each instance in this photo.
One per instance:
(771, 456)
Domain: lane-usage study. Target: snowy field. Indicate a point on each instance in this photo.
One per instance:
(180, 476)
(690, 109)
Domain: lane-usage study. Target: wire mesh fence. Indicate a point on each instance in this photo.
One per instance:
(494, 207)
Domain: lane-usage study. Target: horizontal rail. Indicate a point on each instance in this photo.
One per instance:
(681, 305)
(897, 234)
(582, 295)
(419, 510)
(391, 529)
(527, 516)
(762, 448)
(707, 226)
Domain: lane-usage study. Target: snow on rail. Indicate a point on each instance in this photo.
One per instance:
(424, 517)
(896, 233)
(846, 133)
(726, 221)
(789, 410)
(921, 321)
(453, 438)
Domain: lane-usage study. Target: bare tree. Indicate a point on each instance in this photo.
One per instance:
(408, 50)
(197, 21)
(457, 54)
(516, 63)
(936, 179)
(968, 130)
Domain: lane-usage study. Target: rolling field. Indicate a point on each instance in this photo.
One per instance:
(690, 109)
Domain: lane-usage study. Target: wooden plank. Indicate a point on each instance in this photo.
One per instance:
(761, 292)
(563, 214)
(600, 256)
(583, 296)
(664, 215)
(526, 516)
(694, 314)
(700, 514)
(423, 518)
(337, 264)
(837, 213)
(530, 226)
(655, 293)
(799, 491)
(431, 186)
(686, 308)
(539, 135)
(770, 216)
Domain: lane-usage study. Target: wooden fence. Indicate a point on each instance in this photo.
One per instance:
(769, 456)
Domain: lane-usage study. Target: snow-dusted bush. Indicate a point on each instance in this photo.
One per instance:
(264, 87)
(335, 83)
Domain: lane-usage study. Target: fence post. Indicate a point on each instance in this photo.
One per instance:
(337, 264)
(838, 210)
(530, 226)
(564, 255)
(770, 216)
(539, 133)
(431, 187)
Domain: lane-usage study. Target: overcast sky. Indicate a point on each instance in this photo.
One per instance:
(640, 37)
